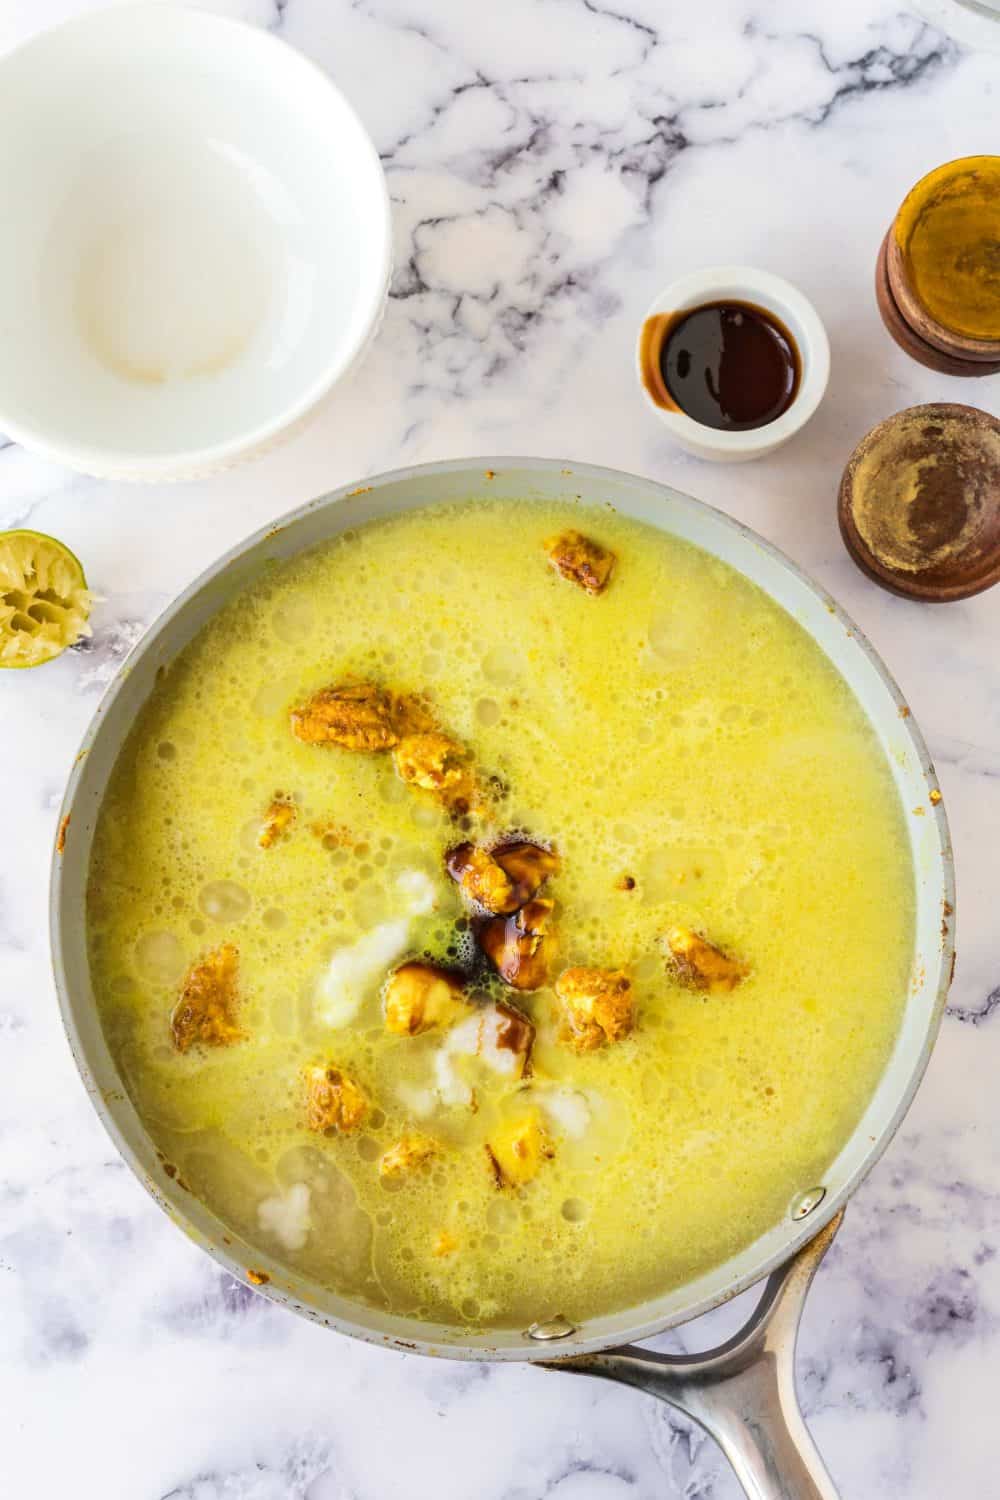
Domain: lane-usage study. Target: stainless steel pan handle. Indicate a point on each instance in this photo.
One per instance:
(742, 1393)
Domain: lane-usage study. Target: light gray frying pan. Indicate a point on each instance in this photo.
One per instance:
(744, 1392)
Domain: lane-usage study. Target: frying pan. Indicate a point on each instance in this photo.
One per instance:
(744, 1392)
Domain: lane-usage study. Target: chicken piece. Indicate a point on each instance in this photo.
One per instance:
(528, 866)
(481, 879)
(333, 1100)
(519, 947)
(356, 716)
(581, 560)
(420, 996)
(409, 1153)
(517, 1148)
(503, 878)
(413, 715)
(700, 965)
(597, 1005)
(206, 1009)
(277, 821)
(437, 764)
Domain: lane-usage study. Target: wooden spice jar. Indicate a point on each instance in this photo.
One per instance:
(919, 505)
(938, 274)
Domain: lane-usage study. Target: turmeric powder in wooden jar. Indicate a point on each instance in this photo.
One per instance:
(939, 272)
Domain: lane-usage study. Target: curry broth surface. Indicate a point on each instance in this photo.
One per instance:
(681, 730)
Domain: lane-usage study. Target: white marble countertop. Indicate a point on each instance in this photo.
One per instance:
(551, 163)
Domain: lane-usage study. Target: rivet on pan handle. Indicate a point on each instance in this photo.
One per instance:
(742, 1393)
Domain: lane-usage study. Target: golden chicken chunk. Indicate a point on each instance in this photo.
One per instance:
(356, 716)
(528, 866)
(517, 1148)
(519, 947)
(420, 996)
(581, 560)
(503, 878)
(277, 821)
(437, 764)
(700, 965)
(409, 1153)
(333, 1100)
(412, 715)
(206, 1009)
(597, 1005)
(481, 878)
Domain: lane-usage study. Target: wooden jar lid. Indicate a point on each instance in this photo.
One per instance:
(919, 504)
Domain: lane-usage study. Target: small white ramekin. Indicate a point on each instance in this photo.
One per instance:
(196, 241)
(774, 295)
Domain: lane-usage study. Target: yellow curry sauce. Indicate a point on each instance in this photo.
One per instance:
(702, 774)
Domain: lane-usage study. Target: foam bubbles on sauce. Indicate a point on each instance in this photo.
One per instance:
(224, 901)
(159, 957)
(690, 767)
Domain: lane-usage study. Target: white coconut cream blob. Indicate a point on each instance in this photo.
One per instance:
(286, 1216)
(477, 1037)
(566, 1109)
(354, 971)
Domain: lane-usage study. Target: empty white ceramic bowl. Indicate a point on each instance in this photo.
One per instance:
(196, 241)
(796, 312)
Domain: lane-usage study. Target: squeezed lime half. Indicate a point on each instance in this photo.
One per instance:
(44, 601)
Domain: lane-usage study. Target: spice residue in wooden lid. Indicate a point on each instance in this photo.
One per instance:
(920, 502)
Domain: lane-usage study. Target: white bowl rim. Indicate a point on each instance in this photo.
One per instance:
(165, 463)
(743, 284)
